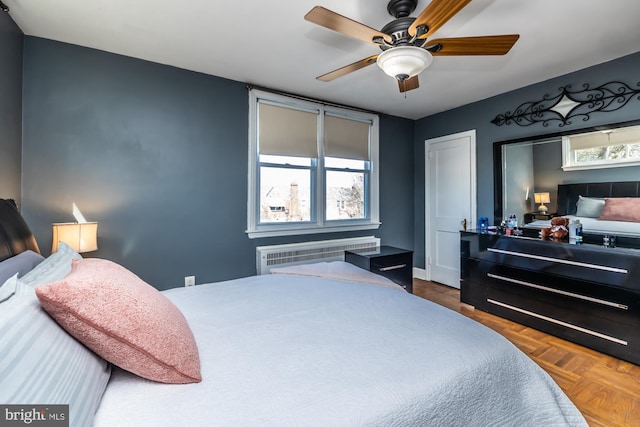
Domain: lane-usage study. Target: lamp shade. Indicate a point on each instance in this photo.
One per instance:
(403, 62)
(82, 237)
(542, 198)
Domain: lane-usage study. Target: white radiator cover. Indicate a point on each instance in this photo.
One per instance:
(268, 257)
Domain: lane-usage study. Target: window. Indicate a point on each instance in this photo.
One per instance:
(602, 149)
(312, 168)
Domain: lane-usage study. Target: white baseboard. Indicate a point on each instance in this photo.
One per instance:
(419, 273)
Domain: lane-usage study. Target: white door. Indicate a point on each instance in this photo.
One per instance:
(450, 199)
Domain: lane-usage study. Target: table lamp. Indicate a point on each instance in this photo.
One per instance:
(542, 198)
(82, 237)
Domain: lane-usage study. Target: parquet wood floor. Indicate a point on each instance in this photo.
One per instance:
(605, 389)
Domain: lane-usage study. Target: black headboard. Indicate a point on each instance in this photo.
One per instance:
(15, 235)
(568, 193)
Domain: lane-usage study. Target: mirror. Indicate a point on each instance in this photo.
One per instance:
(527, 166)
(528, 169)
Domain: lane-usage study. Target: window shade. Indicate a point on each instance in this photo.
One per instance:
(346, 139)
(608, 139)
(287, 132)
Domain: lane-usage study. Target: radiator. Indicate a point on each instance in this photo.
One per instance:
(268, 257)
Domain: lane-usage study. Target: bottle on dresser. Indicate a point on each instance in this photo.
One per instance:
(511, 224)
(578, 232)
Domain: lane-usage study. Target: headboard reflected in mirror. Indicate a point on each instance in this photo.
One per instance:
(15, 235)
(568, 194)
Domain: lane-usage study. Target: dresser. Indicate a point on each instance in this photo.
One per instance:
(393, 263)
(587, 294)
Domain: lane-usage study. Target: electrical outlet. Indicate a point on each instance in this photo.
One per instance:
(189, 280)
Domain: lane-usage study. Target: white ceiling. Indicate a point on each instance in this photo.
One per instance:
(268, 43)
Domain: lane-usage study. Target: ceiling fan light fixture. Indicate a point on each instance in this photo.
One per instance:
(404, 62)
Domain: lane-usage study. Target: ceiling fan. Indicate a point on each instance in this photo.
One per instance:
(406, 51)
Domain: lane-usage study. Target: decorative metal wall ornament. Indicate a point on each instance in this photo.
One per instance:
(568, 105)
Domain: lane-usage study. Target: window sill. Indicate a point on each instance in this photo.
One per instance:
(275, 232)
(600, 165)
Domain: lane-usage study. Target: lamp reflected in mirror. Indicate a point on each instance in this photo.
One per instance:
(542, 198)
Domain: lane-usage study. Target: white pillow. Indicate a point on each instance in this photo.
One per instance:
(41, 363)
(589, 207)
(21, 263)
(8, 288)
(53, 268)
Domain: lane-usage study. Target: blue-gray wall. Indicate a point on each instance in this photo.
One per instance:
(158, 156)
(548, 173)
(519, 172)
(479, 114)
(11, 40)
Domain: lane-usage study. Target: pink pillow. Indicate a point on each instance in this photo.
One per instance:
(125, 320)
(621, 209)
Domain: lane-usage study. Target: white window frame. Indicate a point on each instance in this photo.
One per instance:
(318, 224)
(569, 164)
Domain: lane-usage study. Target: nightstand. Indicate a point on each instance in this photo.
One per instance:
(393, 263)
(533, 216)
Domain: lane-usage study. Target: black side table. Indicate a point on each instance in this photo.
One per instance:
(393, 263)
(532, 216)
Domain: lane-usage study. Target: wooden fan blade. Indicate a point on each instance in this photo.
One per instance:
(409, 84)
(483, 45)
(348, 69)
(336, 22)
(436, 14)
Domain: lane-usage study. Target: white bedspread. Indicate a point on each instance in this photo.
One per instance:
(280, 350)
(596, 226)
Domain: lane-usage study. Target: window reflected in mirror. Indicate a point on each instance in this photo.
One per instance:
(606, 148)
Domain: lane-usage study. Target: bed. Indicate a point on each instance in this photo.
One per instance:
(603, 208)
(314, 347)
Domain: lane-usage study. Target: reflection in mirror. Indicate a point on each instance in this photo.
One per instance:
(527, 166)
(607, 148)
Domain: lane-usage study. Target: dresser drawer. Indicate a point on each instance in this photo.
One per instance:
(397, 268)
(604, 302)
(392, 262)
(572, 322)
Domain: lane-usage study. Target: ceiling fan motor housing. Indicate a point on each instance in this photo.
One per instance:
(401, 8)
(397, 29)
